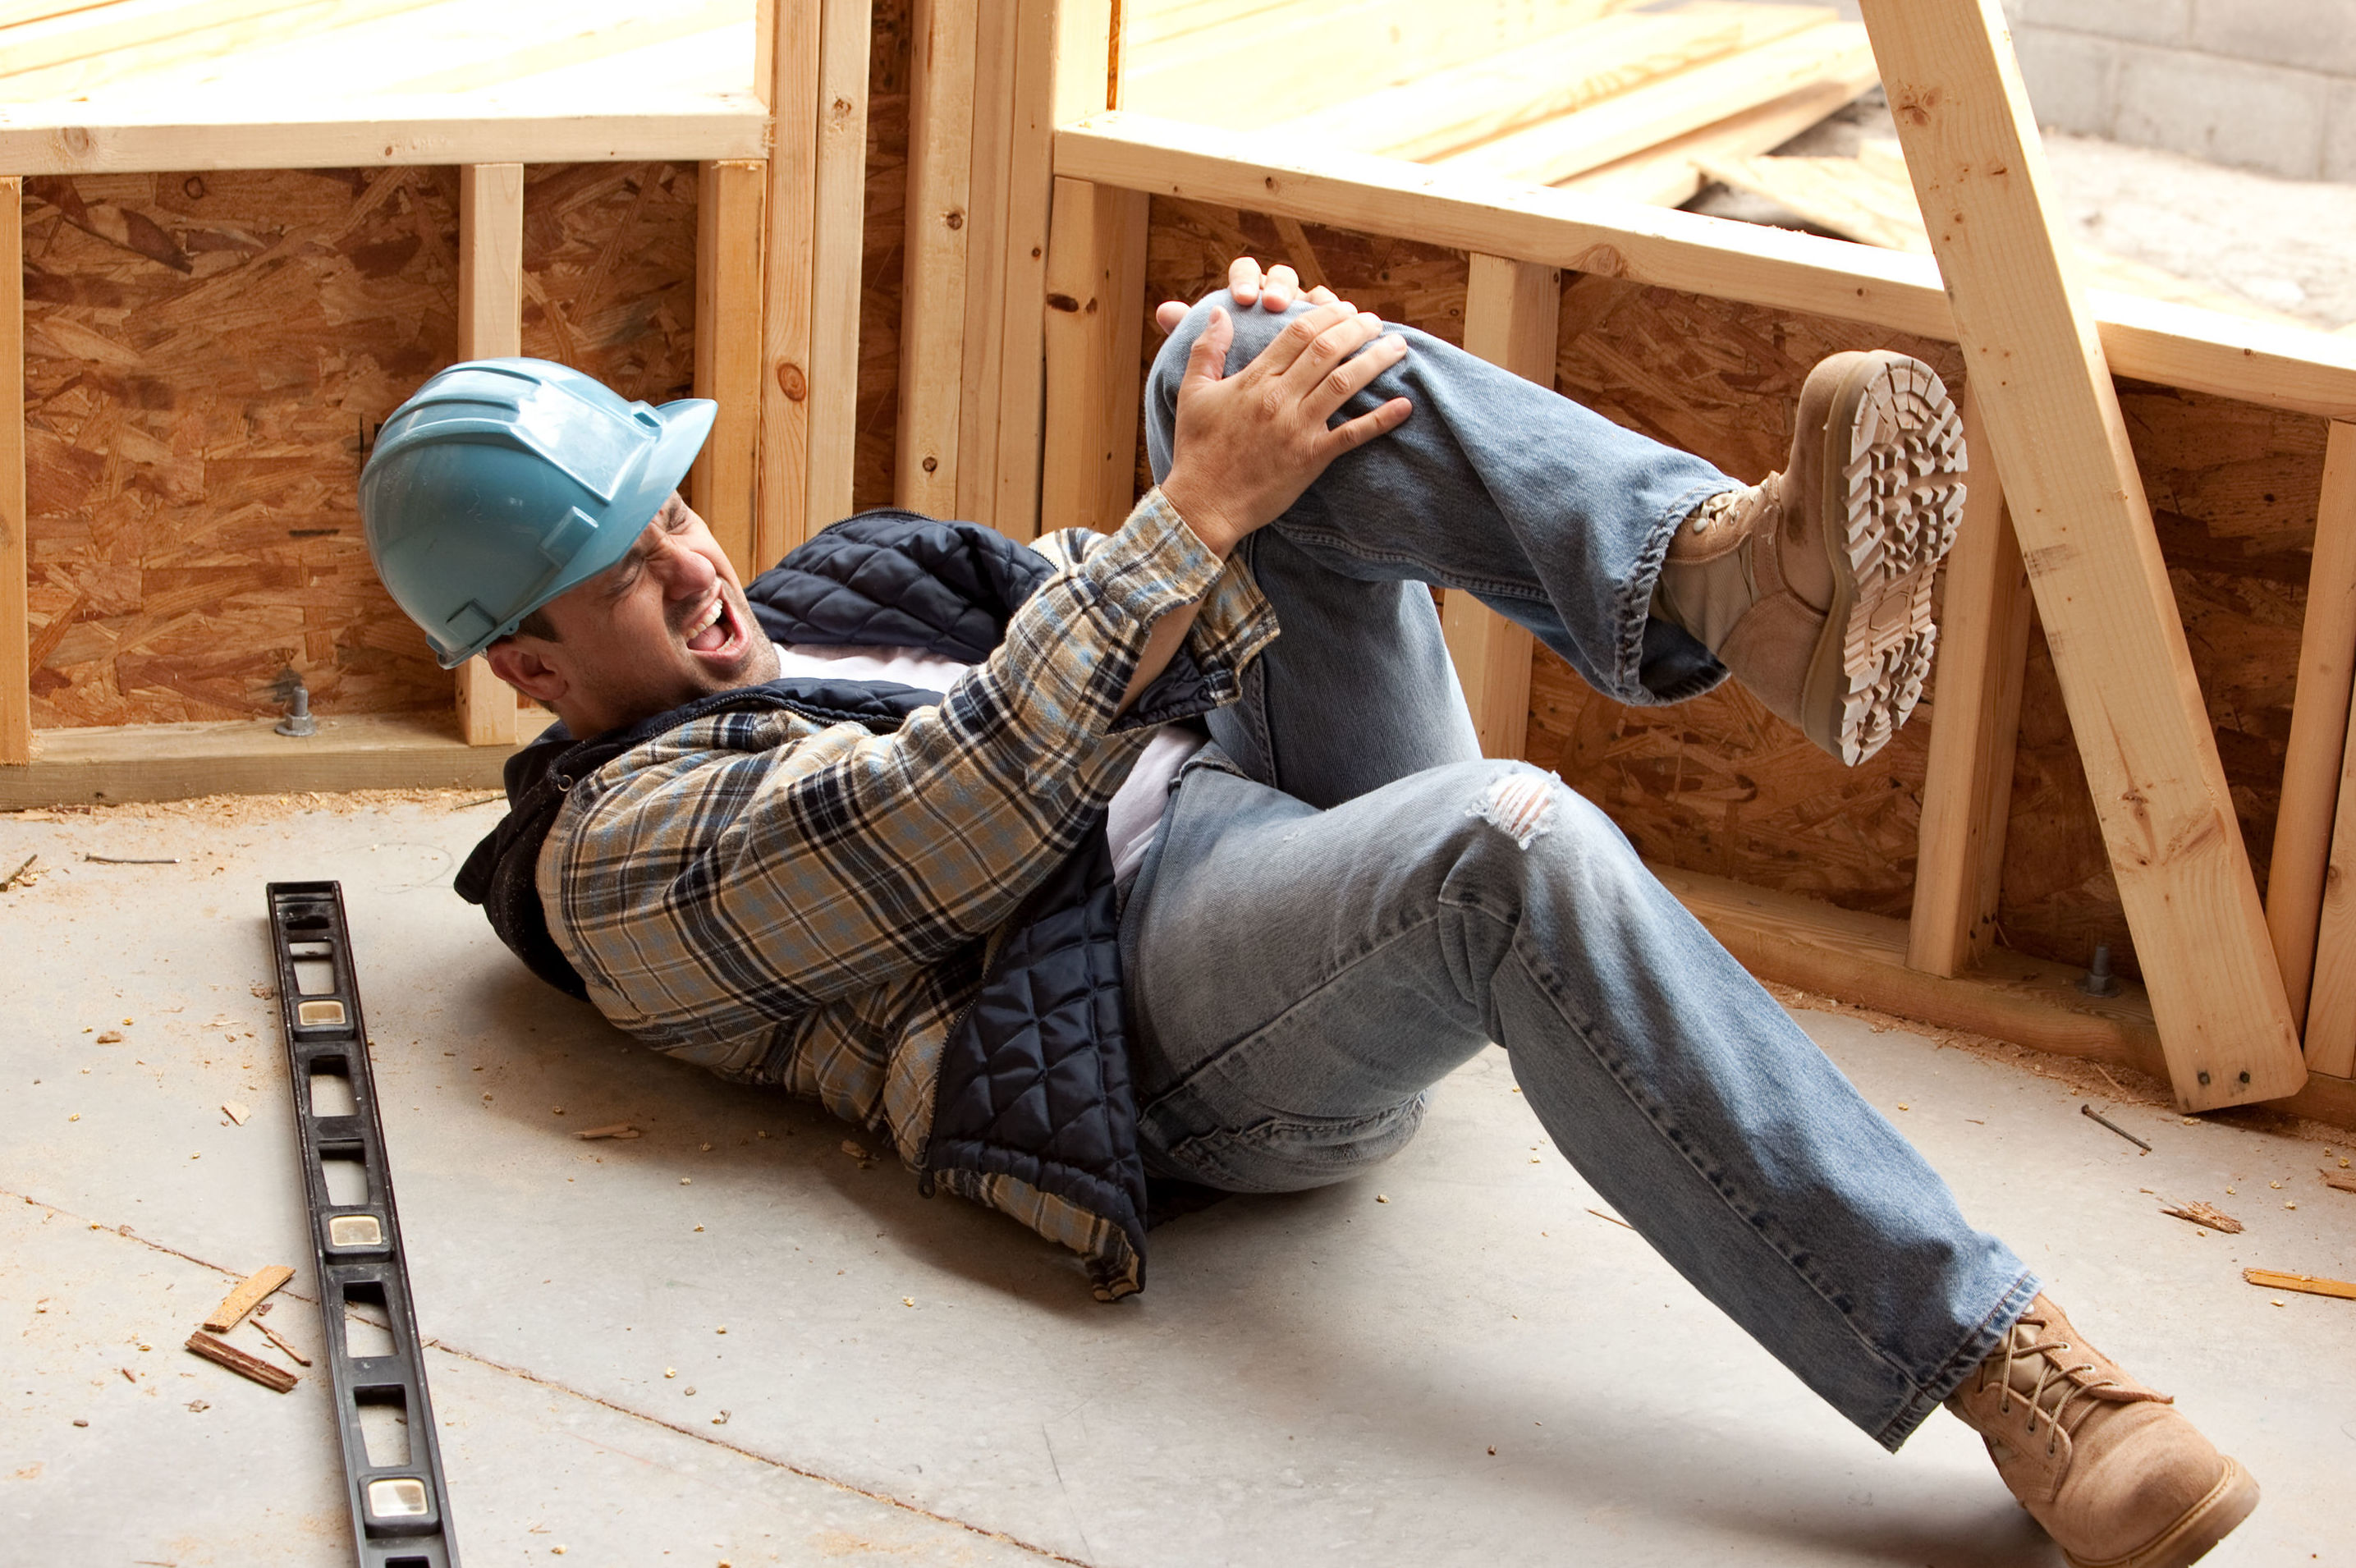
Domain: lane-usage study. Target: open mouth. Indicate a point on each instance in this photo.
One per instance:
(715, 634)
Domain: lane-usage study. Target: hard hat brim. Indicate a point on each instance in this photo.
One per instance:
(686, 424)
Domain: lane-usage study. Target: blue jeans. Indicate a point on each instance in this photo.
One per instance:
(1345, 902)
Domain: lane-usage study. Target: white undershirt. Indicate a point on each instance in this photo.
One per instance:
(1137, 805)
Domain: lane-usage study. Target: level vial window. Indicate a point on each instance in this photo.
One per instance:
(312, 1014)
(355, 1230)
(399, 1499)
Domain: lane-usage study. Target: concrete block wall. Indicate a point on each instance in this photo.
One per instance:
(2265, 85)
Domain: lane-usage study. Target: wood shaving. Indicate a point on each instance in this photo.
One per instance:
(619, 1130)
(2201, 1214)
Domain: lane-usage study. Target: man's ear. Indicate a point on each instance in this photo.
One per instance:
(527, 672)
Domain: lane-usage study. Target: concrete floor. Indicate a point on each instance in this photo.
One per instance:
(1318, 1379)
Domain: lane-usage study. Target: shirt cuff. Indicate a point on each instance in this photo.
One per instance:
(1155, 563)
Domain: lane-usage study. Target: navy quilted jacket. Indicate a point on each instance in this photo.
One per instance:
(1025, 1106)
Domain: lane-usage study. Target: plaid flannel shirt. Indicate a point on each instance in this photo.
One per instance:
(810, 906)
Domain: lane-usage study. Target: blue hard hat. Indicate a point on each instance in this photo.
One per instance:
(503, 483)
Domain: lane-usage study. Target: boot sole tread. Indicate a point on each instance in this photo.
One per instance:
(1892, 484)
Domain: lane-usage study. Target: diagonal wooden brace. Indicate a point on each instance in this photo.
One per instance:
(2038, 376)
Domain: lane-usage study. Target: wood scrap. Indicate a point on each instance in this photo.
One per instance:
(2306, 1285)
(256, 1288)
(2201, 1214)
(9, 884)
(619, 1130)
(236, 1111)
(275, 1377)
(273, 1335)
(2342, 1180)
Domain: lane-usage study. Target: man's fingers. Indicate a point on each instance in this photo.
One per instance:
(1243, 280)
(1345, 381)
(1278, 292)
(1299, 333)
(1169, 314)
(1357, 432)
(1321, 294)
(1206, 361)
(1346, 332)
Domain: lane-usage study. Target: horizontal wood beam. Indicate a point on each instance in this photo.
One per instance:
(1787, 939)
(115, 763)
(2179, 345)
(101, 139)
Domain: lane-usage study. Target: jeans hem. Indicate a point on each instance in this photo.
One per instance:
(1976, 1347)
(1631, 609)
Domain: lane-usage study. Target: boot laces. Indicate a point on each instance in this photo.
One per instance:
(2051, 1375)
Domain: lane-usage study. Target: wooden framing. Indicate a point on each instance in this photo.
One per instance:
(1975, 722)
(2318, 735)
(490, 327)
(1094, 334)
(837, 209)
(724, 486)
(15, 672)
(933, 300)
(1511, 312)
(2331, 1007)
(2200, 350)
(2056, 433)
(789, 219)
(781, 447)
(2053, 415)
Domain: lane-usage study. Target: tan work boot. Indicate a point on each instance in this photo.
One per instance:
(2117, 1477)
(1813, 587)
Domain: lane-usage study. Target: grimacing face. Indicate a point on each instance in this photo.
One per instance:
(664, 625)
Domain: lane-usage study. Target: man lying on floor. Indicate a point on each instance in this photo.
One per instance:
(1170, 852)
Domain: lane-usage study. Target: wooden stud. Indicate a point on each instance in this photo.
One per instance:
(2154, 340)
(839, 211)
(1096, 319)
(490, 327)
(725, 485)
(1974, 726)
(933, 294)
(2053, 415)
(15, 626)
(2313, 760)
(1512, 310)
(2331, 1004)
(790, 217)
(1063, 71)
(982, 335)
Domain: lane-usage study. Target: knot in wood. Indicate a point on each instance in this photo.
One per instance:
(791, 380)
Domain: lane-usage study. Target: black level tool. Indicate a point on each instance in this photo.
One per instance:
(400, 1515)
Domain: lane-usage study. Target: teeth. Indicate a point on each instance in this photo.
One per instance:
(704, 621)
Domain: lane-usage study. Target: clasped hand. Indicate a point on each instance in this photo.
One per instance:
(1246, 446)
